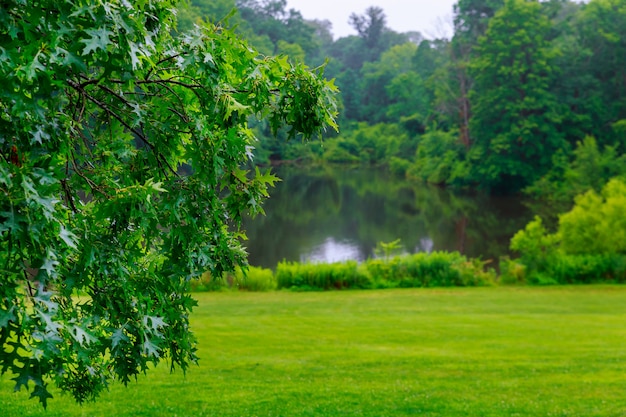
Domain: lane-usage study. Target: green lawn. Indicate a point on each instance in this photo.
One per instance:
(555, 351)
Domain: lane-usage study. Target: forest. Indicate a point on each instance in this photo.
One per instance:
(525, 96)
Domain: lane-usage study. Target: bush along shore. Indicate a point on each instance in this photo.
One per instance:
(436, 269)
(423, 270)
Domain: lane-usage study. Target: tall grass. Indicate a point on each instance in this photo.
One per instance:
(421, 270)
(252, 279)
(321, 276)
(437, 269)
(562, 268)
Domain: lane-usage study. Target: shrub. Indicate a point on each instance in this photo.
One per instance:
(588, 268)
(310, 276)
(437, 269)
(589, 245)
(438, 154)
(370, 144)
(399, 166)
(597, 223)
(511, 271)
(588, 167)
(341, 151)
(534, 244)
(475, 273)
(206, 283)
(253, 279)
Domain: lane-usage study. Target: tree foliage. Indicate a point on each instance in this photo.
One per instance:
(370, 26)
(596, 224)
(122, 177)
(588, 245)
(272, 19)
(516, 116)
(602, 33)
(518, 85)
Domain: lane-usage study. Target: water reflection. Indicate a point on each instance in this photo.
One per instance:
(425, 245)
(330, 215)
(333, 251)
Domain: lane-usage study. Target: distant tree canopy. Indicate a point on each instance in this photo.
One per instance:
(518, 85)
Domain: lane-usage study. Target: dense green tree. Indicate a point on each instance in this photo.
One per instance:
(576, 88)
(429, 56)
(121, 179)
(432, 62)
(516, 118)
(323, 37)
(392, 89)
(348, 53)
(370, 26)
(377, 37)
(195, 11)
(470, 19)
(602, 27)
(271, 18)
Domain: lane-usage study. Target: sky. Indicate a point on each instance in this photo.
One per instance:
(430, 17)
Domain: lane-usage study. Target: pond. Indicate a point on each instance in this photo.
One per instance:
(329, 215)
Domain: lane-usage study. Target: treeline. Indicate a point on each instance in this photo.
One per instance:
(524, 95)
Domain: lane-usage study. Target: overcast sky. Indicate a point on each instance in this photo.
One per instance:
(430, 17)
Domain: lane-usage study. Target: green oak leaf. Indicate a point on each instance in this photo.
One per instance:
(22, 379)
(42, 393)
(99, 40)
(6, 316)
(118, 337)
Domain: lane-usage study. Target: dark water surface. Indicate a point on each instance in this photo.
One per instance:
(327, 215)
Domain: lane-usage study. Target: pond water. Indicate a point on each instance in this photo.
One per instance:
(328, 215)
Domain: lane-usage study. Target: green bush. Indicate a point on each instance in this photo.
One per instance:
(206, 283)
(588, 268)
(589, 245)
(399, 166)
(512, 272)
(437, 269)
(597, 223)
(475, 273)
(372, 145)
(310, 276)
(567, 269)
(438, 154)
(341, 151)
(253, 279)
(535, 245)
(588, 167)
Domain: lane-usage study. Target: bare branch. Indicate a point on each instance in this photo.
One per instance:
(116, 116)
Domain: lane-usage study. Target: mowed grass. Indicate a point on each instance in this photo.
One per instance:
(522, 351)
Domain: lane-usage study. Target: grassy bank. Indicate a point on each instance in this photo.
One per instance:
(497, 351)
(418, 270)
